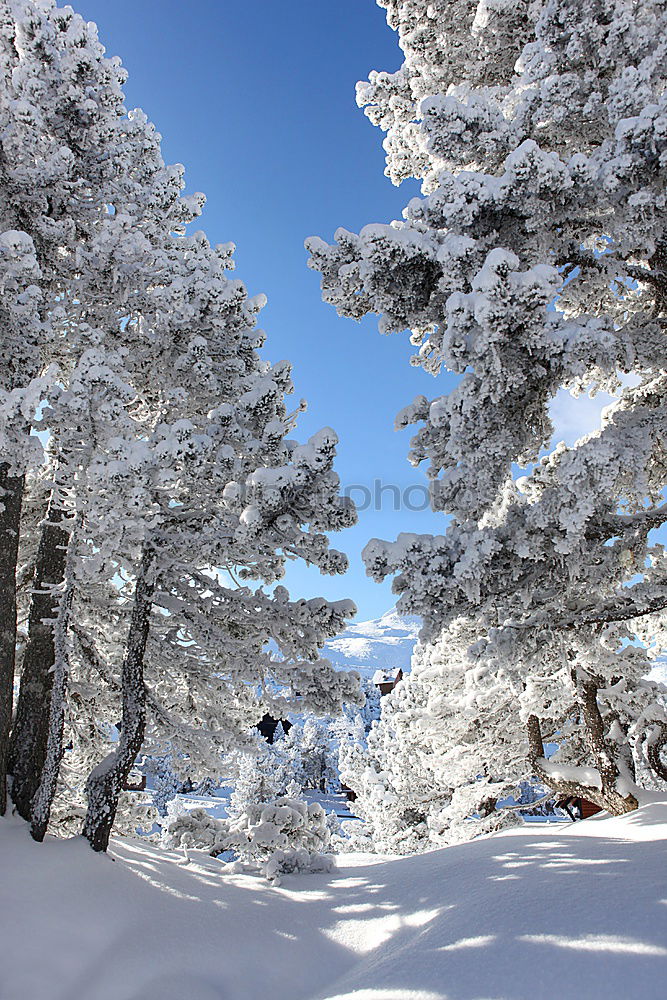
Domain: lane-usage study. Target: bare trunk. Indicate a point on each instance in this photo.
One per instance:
(11, 497)
(31, 725)
(106, 781)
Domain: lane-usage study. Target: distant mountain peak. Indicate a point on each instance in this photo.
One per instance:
(383, 643)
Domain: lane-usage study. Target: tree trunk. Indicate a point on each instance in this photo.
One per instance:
(607, 797)
(106, 781)
(41, 807)
(31, 725)
(11, 497)
(655, 745)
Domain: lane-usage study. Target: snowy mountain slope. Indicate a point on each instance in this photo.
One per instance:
(387, 642)
(659, 673)
(382, 643)
(571, 912)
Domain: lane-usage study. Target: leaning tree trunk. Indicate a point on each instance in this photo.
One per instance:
(31, 725)
(607, 795)
(615, 803)
(106, 781)
(11, 497)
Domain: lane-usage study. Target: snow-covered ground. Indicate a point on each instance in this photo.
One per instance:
(381, 644)
(572, 912)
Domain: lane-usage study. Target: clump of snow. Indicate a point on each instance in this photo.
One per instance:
(588, 776)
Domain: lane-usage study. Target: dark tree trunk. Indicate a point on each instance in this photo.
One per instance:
(41, 807)
(655, 745)
(31, 725)
(11, 497)
(106, 781)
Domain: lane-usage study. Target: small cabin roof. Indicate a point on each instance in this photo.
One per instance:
(387, 676)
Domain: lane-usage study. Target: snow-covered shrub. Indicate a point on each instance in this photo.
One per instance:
(196, 828)
(285, 835)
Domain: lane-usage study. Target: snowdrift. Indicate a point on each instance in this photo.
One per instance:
(556, 913)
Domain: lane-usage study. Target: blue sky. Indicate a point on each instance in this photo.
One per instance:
(257, 100)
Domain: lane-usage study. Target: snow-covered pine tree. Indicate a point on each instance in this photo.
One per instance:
(236, 499)
(279, 733)
(262, 772)
(165, 782)
(185, 485)
(77, 251)
(388, 770)
(310, 749)
(355, 715)
(430, 764)
(534, 261)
